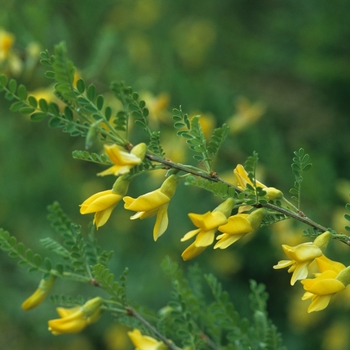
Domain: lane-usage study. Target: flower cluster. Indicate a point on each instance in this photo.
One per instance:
(333, 277)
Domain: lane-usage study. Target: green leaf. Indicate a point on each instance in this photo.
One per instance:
(33, 101)
(91, 92)
(16, 106)
(22, 92)
(50, 74)
(68, 113)
(81, 86)
(99, 102)
(37, 117)
(26, 110)
(12, 86)
(43, 105)
(3, 80)
(55, 122)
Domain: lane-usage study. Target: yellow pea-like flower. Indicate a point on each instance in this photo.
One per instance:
(154, 203)
(122, 160)
(40, 293)
(145, 342)
(74, 320)
(103, 203)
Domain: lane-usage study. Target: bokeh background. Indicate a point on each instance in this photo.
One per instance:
(277, 71)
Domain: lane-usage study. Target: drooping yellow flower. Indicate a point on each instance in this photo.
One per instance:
(238, 226)
(40, 294)
(9, 60)
(75, 319)
(321, 289)
(207, 224)
(243, 179)
(154, 203)
(247, 114)
(145, 342)
(123, 161)
(6, 43)
(302, 255)
(103, 203)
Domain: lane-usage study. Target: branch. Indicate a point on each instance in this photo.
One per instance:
(296, 216)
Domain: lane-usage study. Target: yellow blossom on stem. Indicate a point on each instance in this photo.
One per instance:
(123, 161)
(75, 319)
(103, 203)
(243, 179)
(302, 255)
(145, 342)
(207, 224)
(40, 294)
(238, 226)
(154, 203)
(321, 289)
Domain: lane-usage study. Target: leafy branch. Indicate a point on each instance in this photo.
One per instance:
(299, 166)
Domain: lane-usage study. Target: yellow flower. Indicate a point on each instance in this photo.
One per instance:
(6, 43)
(302, 255)
(8, 58)
(103, 203)
(154, 203)
(75, 319)
(123, 161)
(321, 289)
(207, 225)
(145, 342)
(324, 264)
(247, 114)
(238, 226)
(333, 278)
(243, 179)
(40, 294)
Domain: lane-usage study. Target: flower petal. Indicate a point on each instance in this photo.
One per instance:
(300, 272)
(283, 263)
(226, 240)
(147, 201)
(161, 222)
(326, 286)
(205, 238)
(319, 303)
(236, 225)
(191, 252)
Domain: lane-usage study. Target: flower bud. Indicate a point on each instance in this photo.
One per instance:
(273, 193)
(226, 207)
(139, 150)
(322, 240)
(40, 294)
(121, 185)
(169, 186)
(344, 276)
(255, 218)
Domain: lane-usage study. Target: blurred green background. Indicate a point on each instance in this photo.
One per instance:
(279, 71)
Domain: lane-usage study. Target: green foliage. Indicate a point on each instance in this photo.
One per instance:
(92, 157)
(193, 320)
(116, 290)
(299, 166)
(26, 257)
(132, 105)
(219, 188)
(347, 216)
(194, 136)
